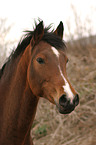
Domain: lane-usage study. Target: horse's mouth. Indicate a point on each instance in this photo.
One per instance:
(64, 110)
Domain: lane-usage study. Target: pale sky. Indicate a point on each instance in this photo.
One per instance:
(21, 13)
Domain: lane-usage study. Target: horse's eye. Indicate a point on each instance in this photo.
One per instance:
(40, 60)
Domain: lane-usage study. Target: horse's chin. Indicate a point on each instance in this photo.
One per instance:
(63, 110)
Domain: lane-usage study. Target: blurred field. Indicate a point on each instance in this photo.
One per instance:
(78, 128)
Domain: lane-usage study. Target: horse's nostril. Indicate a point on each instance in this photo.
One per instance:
(63, 100)
(76, 100)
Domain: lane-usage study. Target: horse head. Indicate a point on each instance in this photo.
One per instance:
(46, 74)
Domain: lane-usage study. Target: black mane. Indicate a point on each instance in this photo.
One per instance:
(48, 37)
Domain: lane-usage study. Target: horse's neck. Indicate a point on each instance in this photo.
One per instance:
(19, 106)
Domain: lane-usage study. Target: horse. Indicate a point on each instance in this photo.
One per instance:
(36, 69)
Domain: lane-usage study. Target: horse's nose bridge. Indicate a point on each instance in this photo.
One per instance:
(71, 88)
(65, 87)
(60, 81)
(62, 84)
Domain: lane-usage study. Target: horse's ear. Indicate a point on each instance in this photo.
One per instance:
(38, 34)
(59, 30)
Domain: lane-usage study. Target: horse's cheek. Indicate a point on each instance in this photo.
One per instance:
(33, 81)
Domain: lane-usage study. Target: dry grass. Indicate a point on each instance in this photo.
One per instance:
(79, 127)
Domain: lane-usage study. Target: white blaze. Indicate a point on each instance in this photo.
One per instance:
(66, 87)
(55, 51)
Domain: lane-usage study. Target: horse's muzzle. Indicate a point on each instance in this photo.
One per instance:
(65, 106)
